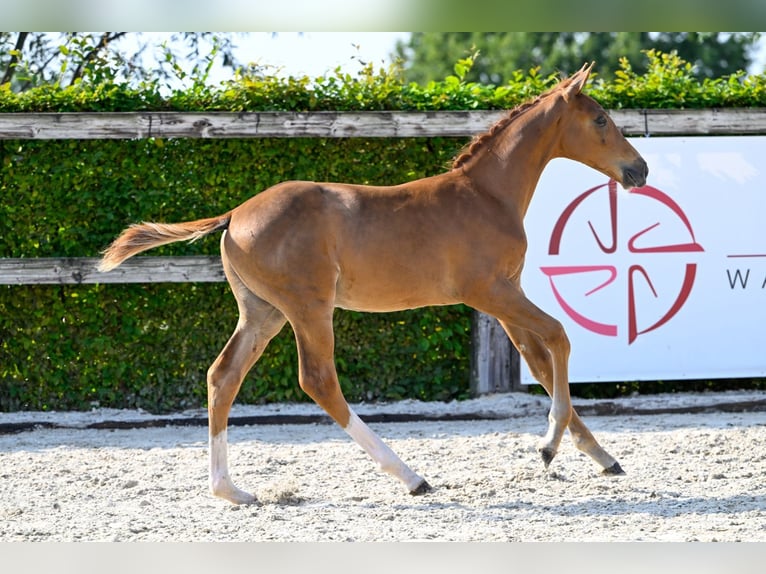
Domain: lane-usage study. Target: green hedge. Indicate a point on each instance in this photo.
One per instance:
(668, 83)
(67, 347)
(149, 346)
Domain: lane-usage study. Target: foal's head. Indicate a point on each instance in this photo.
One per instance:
(589, 135)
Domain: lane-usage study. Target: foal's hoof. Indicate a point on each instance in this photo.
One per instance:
(614, 470)
(547, 455)
(421, 488)
(234, 495)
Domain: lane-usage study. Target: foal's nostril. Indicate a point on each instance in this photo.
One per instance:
(635, 176)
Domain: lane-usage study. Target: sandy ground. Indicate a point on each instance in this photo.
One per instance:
(691, 476)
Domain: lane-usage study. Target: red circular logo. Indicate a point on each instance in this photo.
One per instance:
(636, 245)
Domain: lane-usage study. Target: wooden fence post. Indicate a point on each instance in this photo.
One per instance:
(494, 360)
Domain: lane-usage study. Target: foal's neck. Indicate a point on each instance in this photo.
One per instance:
(509, 166)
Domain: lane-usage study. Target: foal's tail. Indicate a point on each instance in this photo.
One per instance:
(142, 236)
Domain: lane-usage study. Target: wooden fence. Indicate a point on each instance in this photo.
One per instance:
(495, 362)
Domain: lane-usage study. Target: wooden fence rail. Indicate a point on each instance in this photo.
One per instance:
(495, 363)
(136, 125)
(82, 270)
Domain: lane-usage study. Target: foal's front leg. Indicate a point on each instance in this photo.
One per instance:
(504, 299)
(539, 362)
(560, 414)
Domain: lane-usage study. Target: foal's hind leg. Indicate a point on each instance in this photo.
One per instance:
(539, 362)
(318, 378)
(258, 323)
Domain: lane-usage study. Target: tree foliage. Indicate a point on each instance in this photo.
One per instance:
(428, 56)
(31, 59)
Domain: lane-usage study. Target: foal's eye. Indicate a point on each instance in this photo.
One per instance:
(601, 121)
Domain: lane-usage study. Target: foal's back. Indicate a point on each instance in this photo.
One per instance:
(361, 247)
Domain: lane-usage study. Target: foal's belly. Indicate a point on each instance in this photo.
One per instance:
(395, 292)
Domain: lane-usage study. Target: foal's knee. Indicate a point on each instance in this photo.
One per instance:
(556, 339)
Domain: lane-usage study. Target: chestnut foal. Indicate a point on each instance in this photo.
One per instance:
(297, 250)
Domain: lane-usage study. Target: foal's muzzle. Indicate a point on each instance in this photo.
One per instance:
(635, 175)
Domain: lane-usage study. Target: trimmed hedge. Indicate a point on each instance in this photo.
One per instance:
(149, 346)
(68, 347)
(667, 83)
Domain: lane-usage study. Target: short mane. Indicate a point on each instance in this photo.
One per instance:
(481, 140)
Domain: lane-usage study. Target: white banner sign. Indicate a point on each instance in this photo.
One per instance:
(663, 282)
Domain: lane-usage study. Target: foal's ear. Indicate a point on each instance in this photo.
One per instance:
(577, 81)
